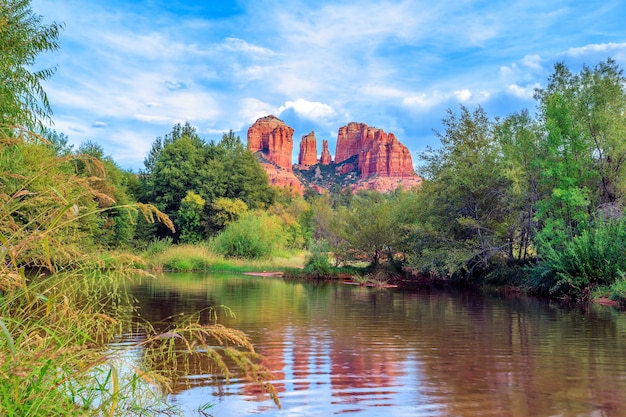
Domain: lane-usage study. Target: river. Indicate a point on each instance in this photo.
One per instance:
(338, 349)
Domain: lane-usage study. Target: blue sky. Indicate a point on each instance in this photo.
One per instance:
(129, 70)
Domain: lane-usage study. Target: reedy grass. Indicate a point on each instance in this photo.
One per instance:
(200, 257)
(56, 320)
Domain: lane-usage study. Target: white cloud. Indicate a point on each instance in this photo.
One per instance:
(463, 95)
(252, 109)
(239, 45)
(424, 100)
(153, 118)
(523, 92)
(533, 62)
(596, 48)
(310, 109)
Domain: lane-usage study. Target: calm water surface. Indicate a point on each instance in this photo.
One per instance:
(347, 350)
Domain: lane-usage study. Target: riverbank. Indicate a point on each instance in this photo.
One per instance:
(302, 265)
(199, 257)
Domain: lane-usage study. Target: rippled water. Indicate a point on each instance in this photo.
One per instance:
(348, 350)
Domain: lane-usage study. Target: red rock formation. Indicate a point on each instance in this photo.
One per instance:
(379, 153)
(387, 184)
(308, 150)
(365, 158)
(273, 138)
(283, 178)
(325, 159)
(385, 156)
(349, 140)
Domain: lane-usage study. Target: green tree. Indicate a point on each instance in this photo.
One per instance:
(371, 226)
(227, 210)
(190, 217)
(566, 162)
(23, 36)
(244, 177)
(581, 186)
(519, 138)
(463, 222)
(183, 162)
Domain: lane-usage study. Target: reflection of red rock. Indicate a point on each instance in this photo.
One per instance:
(358, 378)
(273, 138)
(325, 159)
(308, 150)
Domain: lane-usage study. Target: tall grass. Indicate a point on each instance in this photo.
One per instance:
(58, 311)
(202, 257)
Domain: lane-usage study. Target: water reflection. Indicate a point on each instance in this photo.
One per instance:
(351, 350)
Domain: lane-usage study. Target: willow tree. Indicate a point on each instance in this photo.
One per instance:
(23, 36)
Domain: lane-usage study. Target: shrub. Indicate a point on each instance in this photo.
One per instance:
(253, 235)
(318, 264)
(595, 257)
(158, 245)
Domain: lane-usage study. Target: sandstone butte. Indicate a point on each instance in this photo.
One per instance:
(325, 158)
(365, 158)
(308, 150)
(273, 139)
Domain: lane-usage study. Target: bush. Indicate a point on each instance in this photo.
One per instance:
(595, 257)
(318, 264)
(252, 236)
(158, 245)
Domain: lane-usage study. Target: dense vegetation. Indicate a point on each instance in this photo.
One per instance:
(68, 219)
(533, 200)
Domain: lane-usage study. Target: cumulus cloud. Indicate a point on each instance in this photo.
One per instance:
(426, 101)
(533, 62)
(251, 109)
(523, 92)
(592, 49)
(313, 110)
(463, 95)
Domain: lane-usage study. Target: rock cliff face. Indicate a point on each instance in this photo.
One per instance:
(273, 138)
(308, 150)
(365, 158)
(379, 153)
(325, 159)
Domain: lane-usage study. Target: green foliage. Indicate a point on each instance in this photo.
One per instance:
(182, 162)
(115, 226)
(23, 36)
(296, 214)
(227, 210)
(465, 213)
(317, 264)
(189, 218)
(158, 246)
(618, 290)
(253, 235)
(592, 258)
